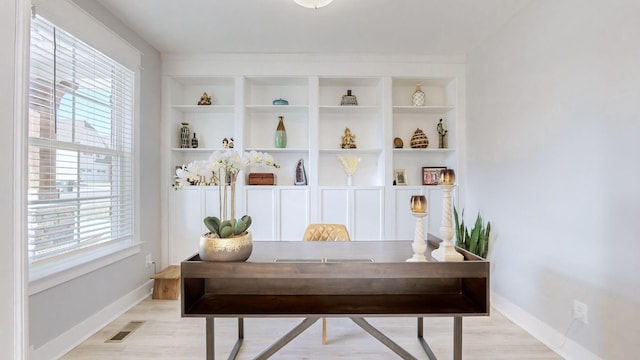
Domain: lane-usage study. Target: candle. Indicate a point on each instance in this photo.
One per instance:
(418, 204)
(447, 177)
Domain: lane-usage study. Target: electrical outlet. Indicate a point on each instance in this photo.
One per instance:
(148, 261)
(580, 311)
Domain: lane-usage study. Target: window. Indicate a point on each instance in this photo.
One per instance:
(80, 156)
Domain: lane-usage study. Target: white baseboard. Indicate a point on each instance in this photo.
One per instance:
(547, 335)
(71, 338)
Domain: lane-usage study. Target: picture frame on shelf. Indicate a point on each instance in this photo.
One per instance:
(400, 177)
(431, 174)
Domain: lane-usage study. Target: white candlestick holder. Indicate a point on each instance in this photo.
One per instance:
(447, 250)
(419, 245)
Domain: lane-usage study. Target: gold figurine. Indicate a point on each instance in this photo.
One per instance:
(348, 140)
(205, 99)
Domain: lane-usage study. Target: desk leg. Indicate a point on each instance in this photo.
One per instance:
(287, 338)
(382, 338)
(211, 355)
(423, 342)
(457, 338)
(238, 344)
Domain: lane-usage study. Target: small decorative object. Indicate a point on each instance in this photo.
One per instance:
(349, 99)
(231, 144)
(398, 143)
(350, 165)
(225, 143)
(431, 174)
(194, 141)
(442, 133)
(280, 102)
(205, 99)
(348, 140)
(418, 203)
(301, 175)
(419, 211)
(446, 250)
(281, 134)
(235, 248)
(419, 140)
(447, 177)
(417, 99)
(400, 177)
(228, 238)
(184, 136)
(262, 179)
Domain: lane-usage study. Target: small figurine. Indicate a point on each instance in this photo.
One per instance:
(348, 140)
(205, 99)
(231, 143)
(225, 143)
(442, 132)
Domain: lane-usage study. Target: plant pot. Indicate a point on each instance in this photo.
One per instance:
(237, 248)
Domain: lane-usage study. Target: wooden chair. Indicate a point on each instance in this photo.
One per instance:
(326, 232)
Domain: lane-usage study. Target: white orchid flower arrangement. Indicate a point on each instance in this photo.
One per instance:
(222, 165)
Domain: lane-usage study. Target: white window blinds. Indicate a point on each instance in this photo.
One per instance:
(80, 157)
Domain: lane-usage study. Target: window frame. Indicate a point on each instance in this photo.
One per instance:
(47, 273)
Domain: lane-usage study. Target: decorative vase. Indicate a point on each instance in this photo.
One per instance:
(417, 99)
(213, 248)
(184, 136)
(349, 99)
(349, 179)
(281, 134)
(194, 141)
(419, 140)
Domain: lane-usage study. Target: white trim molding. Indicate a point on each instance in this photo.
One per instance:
(547, 335)
(71, 338)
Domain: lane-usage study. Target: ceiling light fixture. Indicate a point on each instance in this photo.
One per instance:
(313, 4)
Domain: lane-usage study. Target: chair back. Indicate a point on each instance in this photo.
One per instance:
(326, 232)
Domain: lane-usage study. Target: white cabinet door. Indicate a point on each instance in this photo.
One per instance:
(334, 206)
(260, 204)
(278, 213)
(185, 223)
(435, 211)
(368, 214)
(294, 212)
(360, 209)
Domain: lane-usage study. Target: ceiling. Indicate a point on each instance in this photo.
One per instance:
(416, 27)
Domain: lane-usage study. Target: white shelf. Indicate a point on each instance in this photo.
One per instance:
(277, 108)
(351, 151)
(426, 150)
(431, 109)
(277, 150)
(220, 109)
(196, 150)
(348, 109)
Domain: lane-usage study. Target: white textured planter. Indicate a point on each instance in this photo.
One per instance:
(213, 248)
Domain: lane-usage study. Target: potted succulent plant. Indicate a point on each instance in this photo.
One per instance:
(228, 238)
(475, 241)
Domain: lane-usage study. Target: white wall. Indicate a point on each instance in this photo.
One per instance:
(63, 314)
(553, 127)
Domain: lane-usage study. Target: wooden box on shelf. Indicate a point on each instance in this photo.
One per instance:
(262, 179)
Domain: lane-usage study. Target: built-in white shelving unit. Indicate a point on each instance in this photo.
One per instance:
(372, 207)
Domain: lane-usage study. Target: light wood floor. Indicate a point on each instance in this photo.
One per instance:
(166, 335)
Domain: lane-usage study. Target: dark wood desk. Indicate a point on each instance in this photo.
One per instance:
(353, 279)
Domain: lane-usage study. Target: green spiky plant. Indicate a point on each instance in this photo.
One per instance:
(227, 228)
(476, 241)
